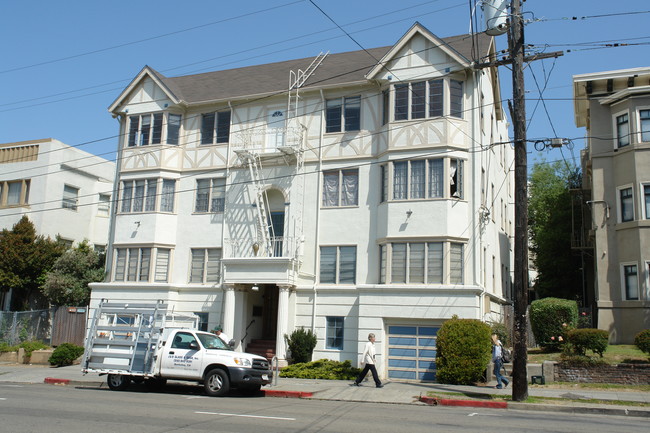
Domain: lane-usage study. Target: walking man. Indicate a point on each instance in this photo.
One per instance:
(368, 358)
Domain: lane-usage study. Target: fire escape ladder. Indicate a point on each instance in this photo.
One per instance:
(265, 232)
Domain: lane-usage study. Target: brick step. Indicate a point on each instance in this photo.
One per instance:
(265, 348)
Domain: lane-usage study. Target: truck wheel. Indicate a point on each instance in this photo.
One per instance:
(118, 382)
(216, 383)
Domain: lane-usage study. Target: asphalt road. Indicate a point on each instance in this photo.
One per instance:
(46, 408)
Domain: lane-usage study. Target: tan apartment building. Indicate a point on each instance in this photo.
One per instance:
(614, 107)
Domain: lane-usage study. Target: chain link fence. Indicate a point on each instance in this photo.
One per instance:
(19, 326)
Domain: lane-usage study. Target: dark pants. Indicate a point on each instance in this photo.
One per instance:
(498, 365)
(363, 373)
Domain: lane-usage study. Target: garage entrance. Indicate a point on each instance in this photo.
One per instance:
(412, 352)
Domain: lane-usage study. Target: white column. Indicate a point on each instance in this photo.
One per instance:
(283, 323)
(228, 318)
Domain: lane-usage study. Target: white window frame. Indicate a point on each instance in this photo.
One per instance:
(445, 101)
(645, 205)
(640, 130)
(143, 271)
(346, 107)
(216, 187)
(206, 266)
(624, 290)
(104, 205)
(615, 124)
(342, 172)
(619, 202)
(337, 264)
(216, 138)
(154, 197)
(328, 330)
(427, 192)
(387, 264)
(70, 197)
(23, 195)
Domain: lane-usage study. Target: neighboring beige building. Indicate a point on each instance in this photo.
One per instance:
(614, 106)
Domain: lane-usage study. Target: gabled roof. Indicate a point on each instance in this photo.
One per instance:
(169, 88)
(458, 48)
(341, 69)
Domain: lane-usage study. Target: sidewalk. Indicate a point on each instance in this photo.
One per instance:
(391, 393)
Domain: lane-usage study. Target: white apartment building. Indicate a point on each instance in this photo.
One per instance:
(64, 191)
(614, 107)
(349, 193)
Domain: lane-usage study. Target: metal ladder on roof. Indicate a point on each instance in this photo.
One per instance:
(297, 80)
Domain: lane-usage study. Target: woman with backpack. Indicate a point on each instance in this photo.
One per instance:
(497, 359)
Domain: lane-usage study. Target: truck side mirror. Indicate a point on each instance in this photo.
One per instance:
(231, 343)
(194, 345)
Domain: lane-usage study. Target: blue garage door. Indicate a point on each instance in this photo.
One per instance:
(412, 352)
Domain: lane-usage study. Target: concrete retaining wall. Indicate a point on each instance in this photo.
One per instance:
(38, 357)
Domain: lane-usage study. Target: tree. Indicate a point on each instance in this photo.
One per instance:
(67, 282)
(549, 213)
(25, 259)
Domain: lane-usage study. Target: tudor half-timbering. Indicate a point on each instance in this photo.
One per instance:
(368, 196)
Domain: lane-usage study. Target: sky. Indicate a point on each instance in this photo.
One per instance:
(63, 63)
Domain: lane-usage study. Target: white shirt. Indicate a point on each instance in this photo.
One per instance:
(224, 338)
(368, 356)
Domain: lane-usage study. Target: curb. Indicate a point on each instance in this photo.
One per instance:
(619, 411)
(433, 401)
(287, 394)
(54, 381)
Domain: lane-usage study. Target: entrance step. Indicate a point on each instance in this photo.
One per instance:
(265, 348)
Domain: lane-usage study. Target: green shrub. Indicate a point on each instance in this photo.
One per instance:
(65, 354)
(551, 319)
(321, 369)
(301, 344)
(29, 347)
(642, 341)
(464, 349)
(5, 347)
(502, 332)
(580, 361)
(585, 339)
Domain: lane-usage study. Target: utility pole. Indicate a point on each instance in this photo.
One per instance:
(516, 49)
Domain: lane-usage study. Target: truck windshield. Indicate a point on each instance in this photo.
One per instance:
(211, 341)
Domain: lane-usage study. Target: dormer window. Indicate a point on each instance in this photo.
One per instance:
(426, 99)
(146, 129)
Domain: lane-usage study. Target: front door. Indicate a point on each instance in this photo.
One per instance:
(270, 312)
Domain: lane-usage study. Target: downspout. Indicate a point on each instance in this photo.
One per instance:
(318, 197)
(114, 200)
(223, 224)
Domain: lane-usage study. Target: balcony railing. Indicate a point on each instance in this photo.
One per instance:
(267, 140)
(278, 246)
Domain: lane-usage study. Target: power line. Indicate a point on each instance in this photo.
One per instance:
(164, 35)
(230, 55)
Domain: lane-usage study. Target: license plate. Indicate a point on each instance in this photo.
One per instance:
(265, 377)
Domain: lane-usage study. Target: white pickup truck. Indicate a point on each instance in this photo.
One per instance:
(143, 342)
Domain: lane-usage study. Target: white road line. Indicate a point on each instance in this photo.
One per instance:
(2, 398)
(246, 416)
